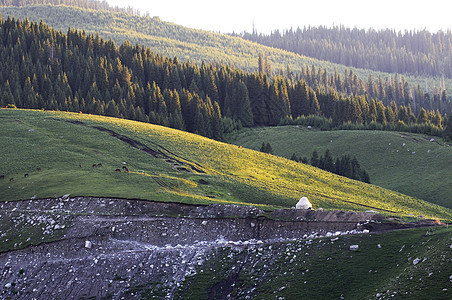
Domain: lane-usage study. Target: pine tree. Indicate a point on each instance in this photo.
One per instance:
(422, 118)
(448, 128)
(112, 109)
(315, 106)
(381, 115)
(260, 63)
(266, 148)
(263, 148)
(328, 164)
(315, 159)
(243, 110)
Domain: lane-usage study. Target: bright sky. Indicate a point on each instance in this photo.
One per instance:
(239, 15)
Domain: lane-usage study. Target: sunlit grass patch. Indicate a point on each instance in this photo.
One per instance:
(190, 168)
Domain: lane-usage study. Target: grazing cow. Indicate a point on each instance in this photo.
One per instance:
(117, 170)
(38, 169)
(26, 175)
(2, 176)
(126, 169)
(94, 165)
(99, 165)
(11, 179)
(80, 165)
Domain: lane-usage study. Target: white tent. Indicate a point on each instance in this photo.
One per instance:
(303, 204)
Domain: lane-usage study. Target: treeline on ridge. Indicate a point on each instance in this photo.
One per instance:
(411, 52)
(88, 4)
(43, 68)
(169, 39)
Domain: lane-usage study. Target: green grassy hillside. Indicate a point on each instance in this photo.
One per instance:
(169, 39)
(404, 162)
(57, 150)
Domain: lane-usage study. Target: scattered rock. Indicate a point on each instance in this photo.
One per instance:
(416, 261)
(354, 247)
(379, 246)
(88, 244)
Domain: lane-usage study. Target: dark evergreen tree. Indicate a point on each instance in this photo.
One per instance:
(266, 148)
(328, 164)
(315, 159)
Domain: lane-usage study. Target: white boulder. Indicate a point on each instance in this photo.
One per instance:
(354, 247)
(303, 204)
(88, 244)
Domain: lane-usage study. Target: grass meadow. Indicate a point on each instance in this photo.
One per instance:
(189, 168)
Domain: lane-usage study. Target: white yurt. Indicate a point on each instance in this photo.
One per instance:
(303, 204)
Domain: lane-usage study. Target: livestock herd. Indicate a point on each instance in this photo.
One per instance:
(124, 168)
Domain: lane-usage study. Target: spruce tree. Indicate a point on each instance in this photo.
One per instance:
(422, 118)
(269, 148)
(448, 128)
(328, 164)
(315, 159)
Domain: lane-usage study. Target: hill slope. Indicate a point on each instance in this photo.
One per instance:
(418, 52)
(408, 163)
(57, 150)
(171, 40)
(86, 248)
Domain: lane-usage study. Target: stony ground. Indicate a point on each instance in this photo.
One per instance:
(75, 248)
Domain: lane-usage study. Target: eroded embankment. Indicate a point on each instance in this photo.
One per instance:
(98, 247)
